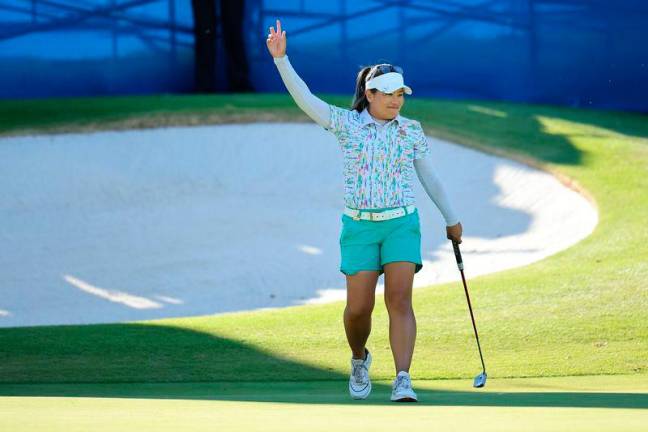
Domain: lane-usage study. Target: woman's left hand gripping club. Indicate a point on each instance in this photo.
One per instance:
(454, 232)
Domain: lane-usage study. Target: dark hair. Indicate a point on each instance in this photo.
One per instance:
(360, 101)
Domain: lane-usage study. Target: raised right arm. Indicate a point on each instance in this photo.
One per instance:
(313, 106)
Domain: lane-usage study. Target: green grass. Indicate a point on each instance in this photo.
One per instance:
(119, 112)
(570, 404)
(579, 312)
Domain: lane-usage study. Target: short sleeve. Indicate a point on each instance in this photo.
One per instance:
(340, 119)
(420, 141)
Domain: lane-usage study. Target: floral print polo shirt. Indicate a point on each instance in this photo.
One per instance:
(378, 159)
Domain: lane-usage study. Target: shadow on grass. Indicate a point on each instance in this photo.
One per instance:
(324, 392)
(154, 361)
(527, 130)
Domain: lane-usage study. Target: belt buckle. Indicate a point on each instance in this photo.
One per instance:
(357, 216)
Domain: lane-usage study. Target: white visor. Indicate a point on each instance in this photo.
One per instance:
(388, 83)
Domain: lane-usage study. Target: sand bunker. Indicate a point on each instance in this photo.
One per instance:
(141, 224)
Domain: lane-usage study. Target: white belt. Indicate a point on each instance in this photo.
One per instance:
(384, 215)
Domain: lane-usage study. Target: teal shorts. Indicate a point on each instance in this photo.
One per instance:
(369, 245)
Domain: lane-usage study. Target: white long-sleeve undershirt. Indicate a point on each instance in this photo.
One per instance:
(434, 189)
(319, 111)
(313, 106)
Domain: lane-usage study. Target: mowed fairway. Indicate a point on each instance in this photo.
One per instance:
(565, 340)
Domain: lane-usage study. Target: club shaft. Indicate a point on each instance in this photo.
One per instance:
(472, 318)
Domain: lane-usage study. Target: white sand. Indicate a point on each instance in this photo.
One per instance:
(130, 225)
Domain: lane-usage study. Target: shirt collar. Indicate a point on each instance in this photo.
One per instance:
(367, 118)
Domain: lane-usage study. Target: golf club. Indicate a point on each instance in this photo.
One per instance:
(480, 380)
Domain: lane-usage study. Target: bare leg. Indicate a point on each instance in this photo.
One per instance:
(361, 294)
(399, 278)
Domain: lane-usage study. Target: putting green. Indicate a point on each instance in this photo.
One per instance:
(586, 403)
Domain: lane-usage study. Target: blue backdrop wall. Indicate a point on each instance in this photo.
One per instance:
(589, 53)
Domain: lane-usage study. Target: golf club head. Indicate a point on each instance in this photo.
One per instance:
(480, 380)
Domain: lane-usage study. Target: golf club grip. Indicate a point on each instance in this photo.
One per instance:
(457, 253)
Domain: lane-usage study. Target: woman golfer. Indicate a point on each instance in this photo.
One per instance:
(380, 224)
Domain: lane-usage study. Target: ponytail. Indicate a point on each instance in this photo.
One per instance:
(360, 101)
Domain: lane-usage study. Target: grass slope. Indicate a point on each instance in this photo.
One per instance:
(579, 312)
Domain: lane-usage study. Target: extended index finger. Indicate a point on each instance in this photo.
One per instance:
(279, 27)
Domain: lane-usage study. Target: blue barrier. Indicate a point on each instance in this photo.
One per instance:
(584, 53)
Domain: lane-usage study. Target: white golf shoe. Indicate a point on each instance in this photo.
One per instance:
(359, 382)
(402, 388)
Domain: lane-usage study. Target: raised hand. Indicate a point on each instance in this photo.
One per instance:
(276, 41)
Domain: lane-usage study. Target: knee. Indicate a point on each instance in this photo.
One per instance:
(359, 310)
(400, 304)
